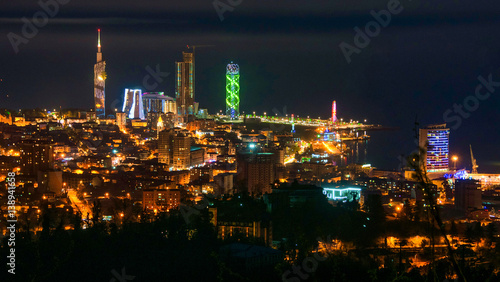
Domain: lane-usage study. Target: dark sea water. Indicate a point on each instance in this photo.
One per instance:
(388, 149)
(382, 151)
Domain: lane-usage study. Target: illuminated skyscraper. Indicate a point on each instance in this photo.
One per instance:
(233, 91)
(184, 87)
(435, 140)
(132, 104)
(99, 81)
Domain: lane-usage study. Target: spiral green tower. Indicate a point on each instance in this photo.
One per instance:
(233, 91)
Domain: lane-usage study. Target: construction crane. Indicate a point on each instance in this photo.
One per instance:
(201, 46)
(474, 164)
(194, 58)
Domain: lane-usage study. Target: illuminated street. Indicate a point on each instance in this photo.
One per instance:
(81, 206)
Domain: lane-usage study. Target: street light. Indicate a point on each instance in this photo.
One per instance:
(455, 159)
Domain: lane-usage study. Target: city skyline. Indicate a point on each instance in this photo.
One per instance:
(249, 141)
(451, 89)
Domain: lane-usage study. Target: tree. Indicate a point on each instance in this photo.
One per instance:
(478, 231)
(408, 210)
(402, 242)
(491, 231)
(373, 206)
(469, 233)
(96, 212)
(417, 163)
(376, 216)
(453, 229)
(76, 220)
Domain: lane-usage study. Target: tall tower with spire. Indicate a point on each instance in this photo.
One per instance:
(99, 81)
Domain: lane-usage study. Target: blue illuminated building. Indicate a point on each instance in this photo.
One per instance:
(435, 139)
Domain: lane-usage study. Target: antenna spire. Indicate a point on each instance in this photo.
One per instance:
(99, 40)
(99, 54)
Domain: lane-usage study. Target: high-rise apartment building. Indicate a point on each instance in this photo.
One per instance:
(467, 195)
(36, 155)
(225, 183)
(184, 87)
(257, 171)
(181, 151)
(174, 149)
(165, 139)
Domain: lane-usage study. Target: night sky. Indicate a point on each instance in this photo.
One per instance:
(427, 59)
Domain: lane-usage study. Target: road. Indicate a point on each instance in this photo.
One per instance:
(81, 206)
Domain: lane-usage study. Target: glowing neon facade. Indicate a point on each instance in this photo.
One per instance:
(334, 111)
(342, 194)
(435, 139)
(233, 90)
(99, 81)
(132, 104)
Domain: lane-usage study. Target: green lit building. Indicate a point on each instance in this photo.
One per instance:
(233, 91)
